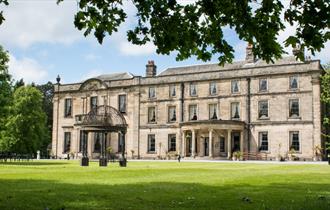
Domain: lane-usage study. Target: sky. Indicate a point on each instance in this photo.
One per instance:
(42, 42)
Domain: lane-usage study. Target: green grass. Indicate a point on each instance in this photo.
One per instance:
(163, 185)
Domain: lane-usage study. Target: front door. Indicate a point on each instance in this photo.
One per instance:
(236, 142)
(206, 146)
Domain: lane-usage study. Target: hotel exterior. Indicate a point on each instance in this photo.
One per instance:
(202, 111)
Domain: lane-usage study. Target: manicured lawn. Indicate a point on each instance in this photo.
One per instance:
(163, 185)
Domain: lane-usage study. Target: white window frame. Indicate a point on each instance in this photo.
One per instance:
(190, 89)
(291, 138)
(232, 86)
(231, 110)
(262, 117)
(260, 82)
(155, 110)
(211, 85)
(260, 141)
(297, 78)
(190, 105)
(291, 99)
(149, 92)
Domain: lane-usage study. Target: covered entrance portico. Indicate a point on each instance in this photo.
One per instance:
(212, 138)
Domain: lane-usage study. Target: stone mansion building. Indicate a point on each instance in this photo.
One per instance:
(200, 111)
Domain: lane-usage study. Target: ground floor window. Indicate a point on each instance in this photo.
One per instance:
(263, 141)
(171, 142)
(294, 140)
(67, 142)
(151, 143)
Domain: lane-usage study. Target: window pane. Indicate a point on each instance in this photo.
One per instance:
(263, 140)
(152, 92)
(263, 109)
(151, 143)
(262, 84)
(97, 142)
(193, 90)
(234, 86)
(222, 144)
(235, 112)
(172, 91)
(67, 142)
(295, 143)
(93, 103)
(213, 112)
(294, 108)
(120, 142)
(193, 112)
(171, 142)
(68, 107)
(293, 82)
(151, 114)
(213, 88)
(171, 114)
(122, 103)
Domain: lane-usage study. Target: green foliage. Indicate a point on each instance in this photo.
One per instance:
(5, 92)
(26, 127)
(325, 98)
(5, 2)
(196, 28)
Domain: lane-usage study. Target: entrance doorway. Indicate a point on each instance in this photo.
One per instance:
(206, 146)
(236, 142)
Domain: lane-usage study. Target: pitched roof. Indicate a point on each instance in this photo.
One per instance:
(115, 76)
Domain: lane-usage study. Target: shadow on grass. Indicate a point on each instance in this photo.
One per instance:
(40, 194)
(32, 163)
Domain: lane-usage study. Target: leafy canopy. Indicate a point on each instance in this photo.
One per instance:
(196, 28)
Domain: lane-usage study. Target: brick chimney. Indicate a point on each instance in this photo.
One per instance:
(151, 69)
(249, 57)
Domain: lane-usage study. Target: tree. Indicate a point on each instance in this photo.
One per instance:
(325, 98)
(5, 92)
(19, 83)
(47, 91)
(26, 128)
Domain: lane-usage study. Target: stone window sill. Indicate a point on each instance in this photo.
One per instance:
(294, 118)
(151, 152)
(152, 122)
(263, 118)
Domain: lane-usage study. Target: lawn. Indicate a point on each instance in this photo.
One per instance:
(163, 185)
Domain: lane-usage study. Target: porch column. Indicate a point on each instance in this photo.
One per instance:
(241, 141)
(183, 148)
(193, 142)
(229, 143)
(211, 143)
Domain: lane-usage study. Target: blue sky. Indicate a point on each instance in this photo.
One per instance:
(43, 42)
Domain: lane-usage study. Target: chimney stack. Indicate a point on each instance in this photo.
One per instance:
(249, 57)
(151, 69)
(296, 50)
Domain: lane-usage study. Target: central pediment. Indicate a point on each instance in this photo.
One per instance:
(93, 84)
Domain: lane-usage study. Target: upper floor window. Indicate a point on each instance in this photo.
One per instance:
(152, 114)
(235, 110)
(122, 103)
(294, 140)
(263, 85)
(93, 103)
(192, 112)
(172, 90)
(152, 92)
(294, 108)
(68, 107)
(193, 89)
(263, 141)
(171, 114)
(151, 143)
(171, 142)
(234, 86)
(213, 111)
(263, 109)
(67, 142)
(293, 82)
(213, 88)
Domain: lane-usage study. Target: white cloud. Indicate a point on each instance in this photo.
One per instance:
(324, 54)
(31, 22)
(127, 48)
(28, 69)
(91, 57)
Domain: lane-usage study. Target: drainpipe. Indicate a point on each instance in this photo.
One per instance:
(182, 102)
(248, 107)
